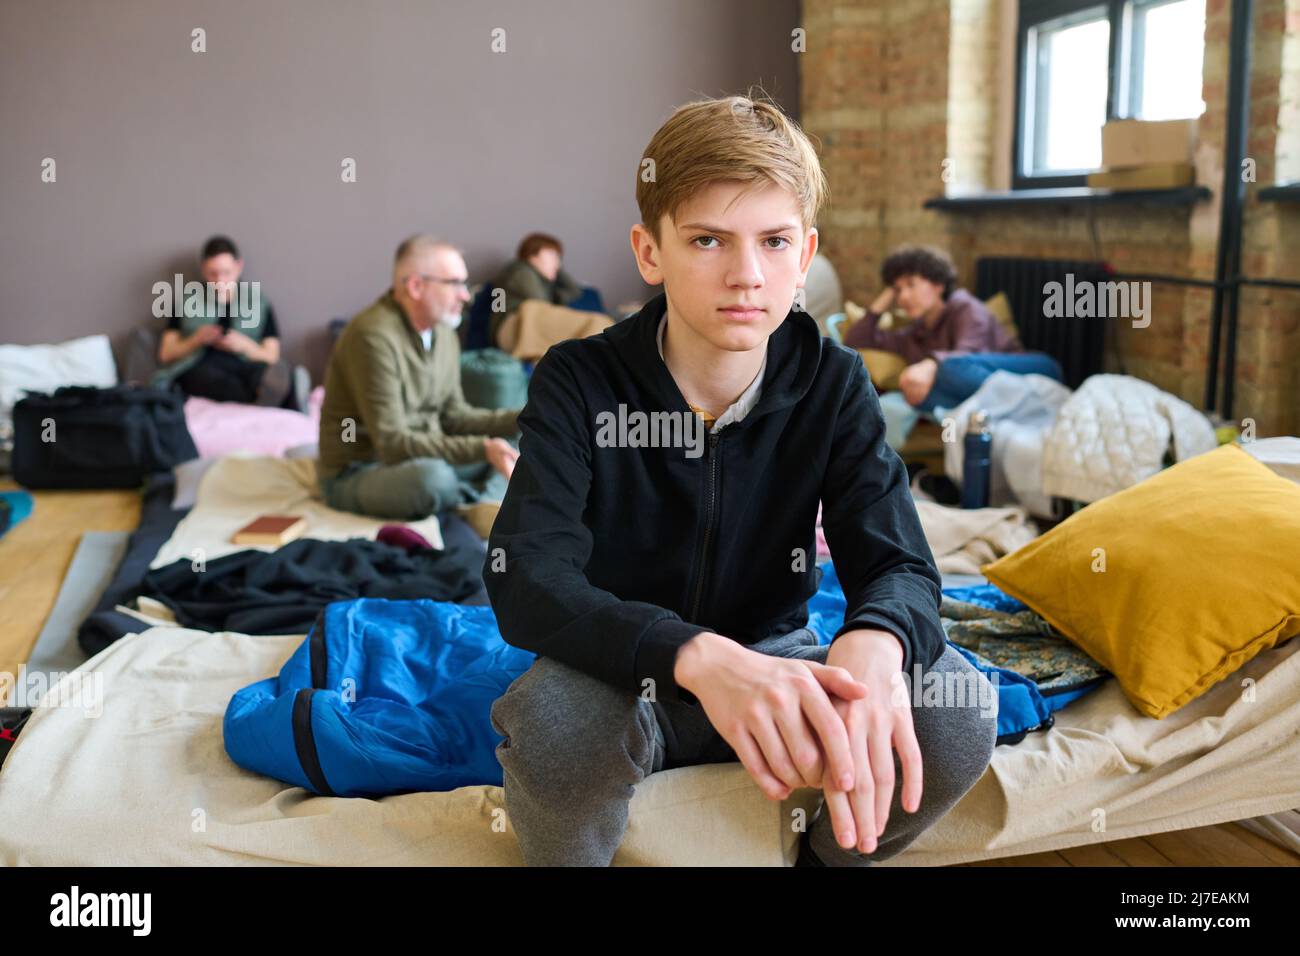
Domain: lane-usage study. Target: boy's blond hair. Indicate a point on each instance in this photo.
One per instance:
(731, 139)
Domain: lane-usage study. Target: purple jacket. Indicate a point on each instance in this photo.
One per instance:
(964, 326)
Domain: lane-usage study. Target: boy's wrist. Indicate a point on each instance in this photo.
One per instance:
(692, 658)
(865, 648)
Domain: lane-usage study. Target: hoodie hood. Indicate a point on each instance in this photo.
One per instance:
(794, 352)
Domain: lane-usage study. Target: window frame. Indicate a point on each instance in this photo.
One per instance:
(1034, 13)
(1130, 74)
(1123, 74)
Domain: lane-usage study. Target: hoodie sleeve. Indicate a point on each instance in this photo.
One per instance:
(874, 533)
(539, 549)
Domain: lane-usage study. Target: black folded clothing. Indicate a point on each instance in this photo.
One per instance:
(281, 592)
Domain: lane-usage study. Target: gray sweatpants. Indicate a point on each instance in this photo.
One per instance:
(575, 748)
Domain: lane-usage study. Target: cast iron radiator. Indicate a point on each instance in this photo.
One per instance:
(1076, 343)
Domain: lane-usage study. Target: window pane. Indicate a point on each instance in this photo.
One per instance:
(1069, 96)
(1167, 62)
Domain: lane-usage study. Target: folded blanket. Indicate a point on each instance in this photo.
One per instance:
(963, 540)
(537, 325)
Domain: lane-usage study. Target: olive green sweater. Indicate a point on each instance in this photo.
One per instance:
(402, 402)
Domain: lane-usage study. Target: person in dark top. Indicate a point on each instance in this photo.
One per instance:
(535, 273)
(228, 349)
(952, 343)
(653, 547)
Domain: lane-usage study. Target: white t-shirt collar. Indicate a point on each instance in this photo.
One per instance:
(743, 405)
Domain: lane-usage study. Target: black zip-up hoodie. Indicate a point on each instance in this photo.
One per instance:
(609, 559)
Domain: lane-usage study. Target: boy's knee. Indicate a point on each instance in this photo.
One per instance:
(571, 727)
(957, 735)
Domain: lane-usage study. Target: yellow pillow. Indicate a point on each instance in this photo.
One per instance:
(1000, 306)
(1201, 573)
(883, 368)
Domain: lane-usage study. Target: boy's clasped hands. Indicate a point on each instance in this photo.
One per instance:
(796, 723)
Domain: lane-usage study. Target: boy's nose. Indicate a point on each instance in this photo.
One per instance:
(745, 269)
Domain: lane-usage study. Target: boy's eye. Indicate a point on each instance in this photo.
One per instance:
(780, 239)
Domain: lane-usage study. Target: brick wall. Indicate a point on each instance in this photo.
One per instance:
(893, 90)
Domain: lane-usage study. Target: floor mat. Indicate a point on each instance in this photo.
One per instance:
(92, 568)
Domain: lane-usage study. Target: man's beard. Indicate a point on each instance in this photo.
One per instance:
(450, 319)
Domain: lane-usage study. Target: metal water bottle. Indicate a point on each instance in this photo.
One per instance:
(977, 463)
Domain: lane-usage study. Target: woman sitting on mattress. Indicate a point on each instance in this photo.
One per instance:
(952, 342)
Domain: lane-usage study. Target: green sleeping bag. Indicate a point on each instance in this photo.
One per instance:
(492, 379)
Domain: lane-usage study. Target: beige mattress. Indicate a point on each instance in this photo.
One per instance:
(238, 488)
(146, 780)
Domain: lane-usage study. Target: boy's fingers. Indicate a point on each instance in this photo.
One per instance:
(802, 745)
(909, 755)
(881, 755)
(752, 760)
(837, 805)
(838, 681)
(862, 798)
(834, 736)
(776, 754)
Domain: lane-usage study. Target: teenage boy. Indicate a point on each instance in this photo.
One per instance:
(953, 342)
(664, 588)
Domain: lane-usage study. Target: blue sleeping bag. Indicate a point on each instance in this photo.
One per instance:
(394, 696)
(383, 697)
(1022, 705)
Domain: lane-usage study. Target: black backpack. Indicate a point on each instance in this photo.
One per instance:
(85, 437)
(12, 721)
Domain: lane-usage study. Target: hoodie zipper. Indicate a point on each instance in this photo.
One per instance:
(708, 525)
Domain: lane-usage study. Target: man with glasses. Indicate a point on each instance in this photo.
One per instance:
(397, 438)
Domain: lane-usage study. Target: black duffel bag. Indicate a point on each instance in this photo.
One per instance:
(101, 437)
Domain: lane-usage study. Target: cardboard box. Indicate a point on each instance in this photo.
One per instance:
(1164, 176)
(1133, 142)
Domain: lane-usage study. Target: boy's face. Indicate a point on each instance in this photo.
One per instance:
(731, 264)
(223, 271)
(917, 295)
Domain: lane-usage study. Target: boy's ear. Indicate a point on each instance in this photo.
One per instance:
(647, 255)
(806, 256)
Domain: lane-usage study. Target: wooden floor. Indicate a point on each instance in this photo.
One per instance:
(35, 555)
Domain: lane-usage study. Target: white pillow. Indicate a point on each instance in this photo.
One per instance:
(43, 368)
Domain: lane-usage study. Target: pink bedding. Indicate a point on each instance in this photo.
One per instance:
(219, 428)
